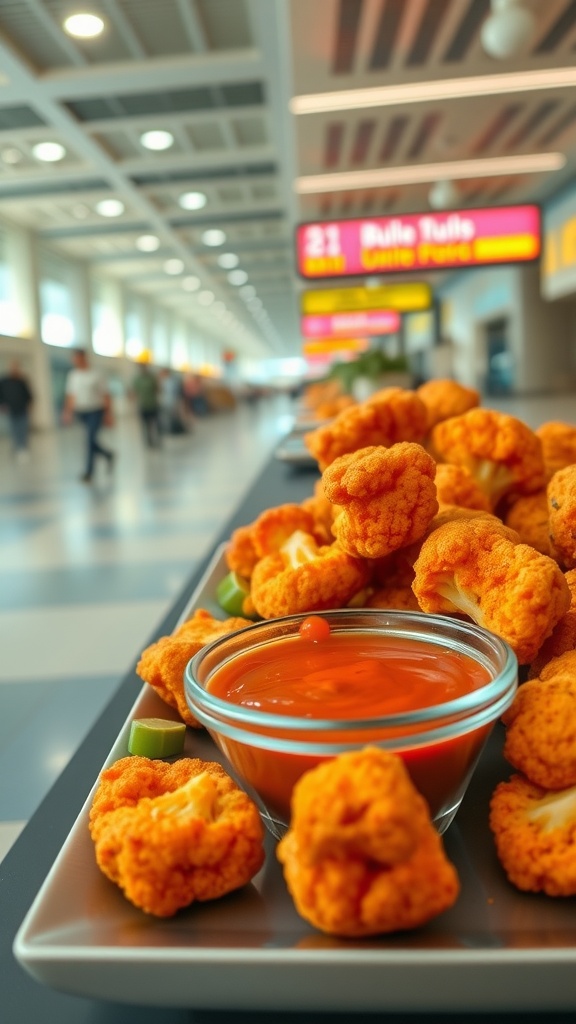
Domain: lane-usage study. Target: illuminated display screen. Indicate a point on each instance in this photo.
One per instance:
(364, 322)
(417, 242)
(406, 297)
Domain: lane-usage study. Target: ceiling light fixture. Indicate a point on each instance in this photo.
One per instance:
(148, 243)
(443, 195)
(174, 266)
(237, 277)
(228, 260)
(508, 30)
(49, 152)
(157, 140)
(84, 25)
(382, 177)
(427, 92)
(192, 200)
(191, 283)
(110, 208)
(214, 236)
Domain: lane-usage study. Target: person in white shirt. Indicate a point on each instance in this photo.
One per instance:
(88, 400)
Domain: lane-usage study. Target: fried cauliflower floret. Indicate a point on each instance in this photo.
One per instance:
(387, 497)
(561, 494)
(248, 544)
(478, 568)
(332, 406)
(389, 416)
(540, 739)
(361, 856)
(171, 834)
(558, 444)
(322, 511)
(455, 485)
(241, 555)
(562, 637)
(304, 577)
(502, 453)
(528, 515)
(444, 398)
(162, 664)
(534, 832)
(394, 597)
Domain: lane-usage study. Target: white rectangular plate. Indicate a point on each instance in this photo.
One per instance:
(496, 949)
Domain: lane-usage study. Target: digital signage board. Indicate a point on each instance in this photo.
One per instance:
(402, 243)
(403, 296)
(364, 322)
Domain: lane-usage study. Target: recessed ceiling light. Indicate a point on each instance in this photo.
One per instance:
(237, 277)
(191, 283)
(192, 200)
(214, 236)
(157, 140)
(110, 208)
(205, 298)
(174, 266)
(11, 155)
(148, 243)
(84, 26)
(49, 152)
(228, 260)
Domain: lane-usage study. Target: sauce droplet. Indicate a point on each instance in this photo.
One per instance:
(314, 628)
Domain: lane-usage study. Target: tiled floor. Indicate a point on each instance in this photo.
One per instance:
(88, 572)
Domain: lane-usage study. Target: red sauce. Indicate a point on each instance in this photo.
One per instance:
(349, 676)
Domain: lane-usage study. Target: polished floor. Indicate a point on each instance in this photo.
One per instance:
(88, 572)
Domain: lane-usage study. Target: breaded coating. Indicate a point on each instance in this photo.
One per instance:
(332, 406)
(387, 497)
(444, 398)
(322, 511)
(455, 485)
(274, 526)
(558, 444)
(562, 637)
(240, 554)
(528, 515)
(162, 664)
(502, 453)
(540, 739)
(478, 568)
(534, 832)
(388, 416)
(171, 834)
(394, 597)
(304, 577)
(361, 856)
(561, 493)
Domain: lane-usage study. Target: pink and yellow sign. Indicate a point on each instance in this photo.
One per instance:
(425, 241)
(365, 322)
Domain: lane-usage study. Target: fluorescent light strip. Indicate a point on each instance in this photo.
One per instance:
(531, 163)
(426, 92)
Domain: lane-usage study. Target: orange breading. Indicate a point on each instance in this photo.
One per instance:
(241, 555)
(561, 494)
(540, 739)
(502, 453)
(305, 577)
(394, 597)
(322, 511)
(171, 834)
(444, 398)
(535, 835)
(274, 526)
(558, 444)
(162, 663)
(388, 416)
(387, 497)
(361, 856)
(479, 568)
(562, 637)
(455, 485)
(528, 515)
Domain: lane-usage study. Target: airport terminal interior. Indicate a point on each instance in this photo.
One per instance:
(153, 175)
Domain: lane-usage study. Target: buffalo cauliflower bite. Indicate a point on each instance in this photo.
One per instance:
(528, 515)
(558, 444)
(162, 663)
(389, 416)
(534, 833)
(480, 569)
(393, 597)
(171, 834)
(444, 398)
(387, 497)
(361, 856)
(455, 485)
(540, 739)
(562, 637)
(502, 453)
(322, 511)
(241, 555)
(304, 577)
(561, 492)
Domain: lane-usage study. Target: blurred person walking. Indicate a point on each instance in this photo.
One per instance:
(88, 400)
(170, 399)
(146, 391)
(16, 398)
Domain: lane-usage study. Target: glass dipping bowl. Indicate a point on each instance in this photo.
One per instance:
(440, 743)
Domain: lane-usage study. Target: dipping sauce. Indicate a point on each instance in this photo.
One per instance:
(350, 676)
